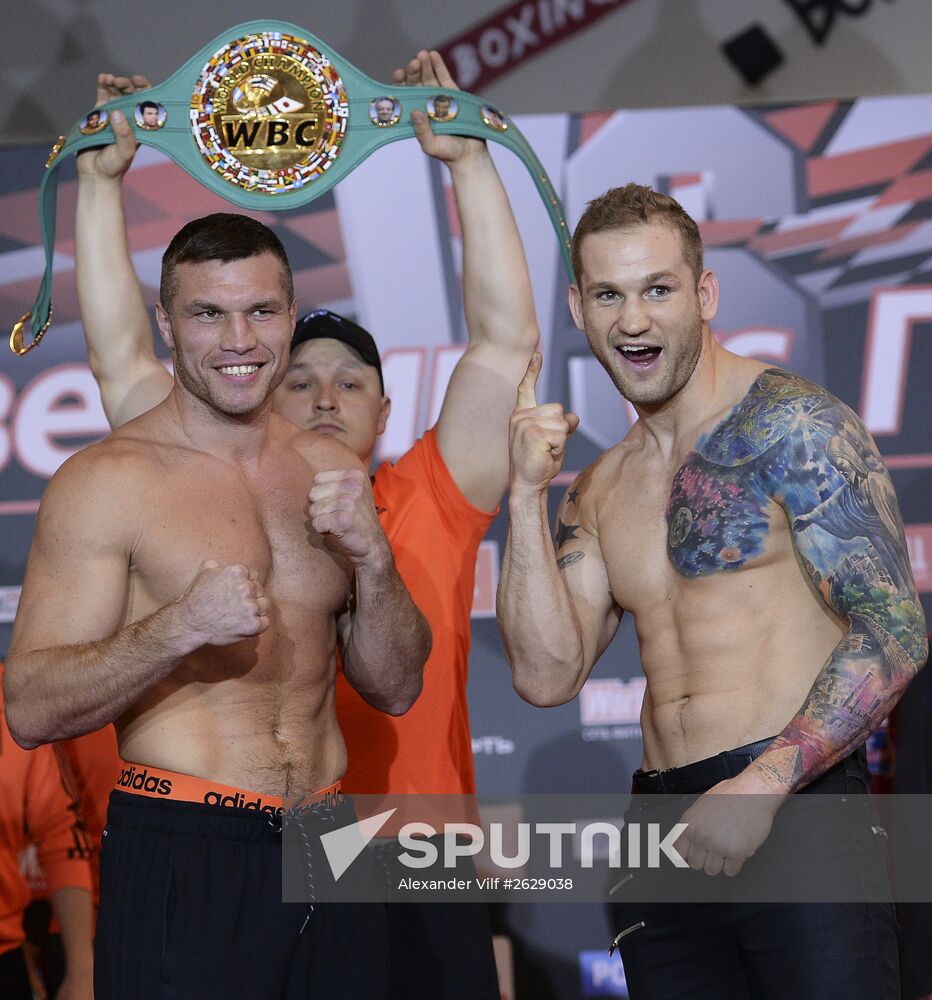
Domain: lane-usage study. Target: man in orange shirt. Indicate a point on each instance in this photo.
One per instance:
(94, 763)
(435, 503)
(89, 766)
(36, 807)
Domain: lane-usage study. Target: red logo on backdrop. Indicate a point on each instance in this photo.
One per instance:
(517, 33)
(919, 543)
(611, 702)
(487, 560)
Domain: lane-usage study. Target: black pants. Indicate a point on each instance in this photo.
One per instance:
(14, 980)
(191, 909)
(768, 951)
(439, 950)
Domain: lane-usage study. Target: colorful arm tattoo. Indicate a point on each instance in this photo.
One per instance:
(847, 529)
(798, 445)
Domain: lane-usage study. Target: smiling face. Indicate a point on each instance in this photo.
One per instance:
(385, 109)
(229, 326)
(328, 388)
(642, 310)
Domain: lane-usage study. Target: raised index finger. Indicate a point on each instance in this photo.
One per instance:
(427, 76)
(439, 68)
(527, 395)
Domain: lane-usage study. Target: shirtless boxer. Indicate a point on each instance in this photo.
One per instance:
(190, 577)
(436, 501)
(747, 522)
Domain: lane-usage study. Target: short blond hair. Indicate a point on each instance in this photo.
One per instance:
(638, 205)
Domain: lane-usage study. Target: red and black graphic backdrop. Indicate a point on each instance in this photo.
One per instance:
(818, 220)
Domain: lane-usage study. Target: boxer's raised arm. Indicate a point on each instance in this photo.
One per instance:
(472, 430)
(116, 323)
(554, 604)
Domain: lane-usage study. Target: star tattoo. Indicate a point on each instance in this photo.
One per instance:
(565, 532)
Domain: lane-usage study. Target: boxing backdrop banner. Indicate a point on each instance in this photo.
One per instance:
(818, 221)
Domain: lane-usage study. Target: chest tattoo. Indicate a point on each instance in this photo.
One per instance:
(717, 511)
(716, 518)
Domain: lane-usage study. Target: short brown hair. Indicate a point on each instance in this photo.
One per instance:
(223, 236)
(637, 205)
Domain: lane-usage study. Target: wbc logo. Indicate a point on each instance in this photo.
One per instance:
(269, 113)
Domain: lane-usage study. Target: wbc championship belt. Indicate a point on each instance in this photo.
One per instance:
(269, 118)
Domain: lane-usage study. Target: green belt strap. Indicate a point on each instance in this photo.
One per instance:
(269, 117)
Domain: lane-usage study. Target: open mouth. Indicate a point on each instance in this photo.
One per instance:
(641, 356)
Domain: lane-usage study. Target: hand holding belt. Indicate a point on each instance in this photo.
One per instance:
(268, 117)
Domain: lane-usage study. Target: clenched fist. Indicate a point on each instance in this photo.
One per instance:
(225, 604)
(427, 69)
(112, 161)
(343, 511)
(537, 435)
(727, 825)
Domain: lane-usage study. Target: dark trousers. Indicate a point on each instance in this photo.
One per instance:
(191, 909)
(441, 951)
(770, 951)
(14, 980)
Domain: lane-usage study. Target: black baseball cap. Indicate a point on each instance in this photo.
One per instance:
(322, 324)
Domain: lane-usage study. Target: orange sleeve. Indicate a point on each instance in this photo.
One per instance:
(54, 823)
(457, 511)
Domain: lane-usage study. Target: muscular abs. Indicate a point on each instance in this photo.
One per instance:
(735, 620)
(258, 714)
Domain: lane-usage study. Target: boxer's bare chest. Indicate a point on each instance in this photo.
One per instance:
(700, 516)
(202, 509)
